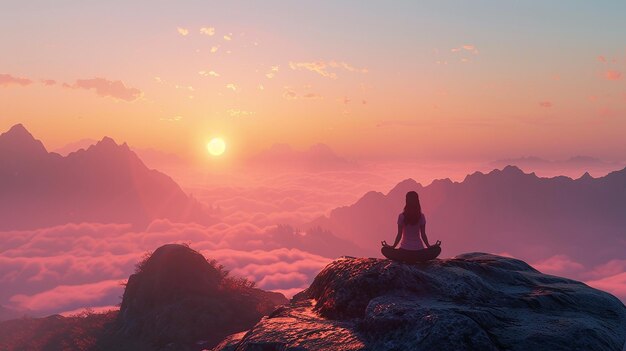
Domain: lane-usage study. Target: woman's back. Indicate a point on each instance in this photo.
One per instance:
(411, 233)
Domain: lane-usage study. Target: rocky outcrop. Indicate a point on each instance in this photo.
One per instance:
(473, 301)
(178, 300)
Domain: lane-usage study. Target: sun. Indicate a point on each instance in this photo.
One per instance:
(216, 146)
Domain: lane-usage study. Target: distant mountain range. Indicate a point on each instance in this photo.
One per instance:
(503, 211)
(576, 162)
(318, 157)
(104, 183)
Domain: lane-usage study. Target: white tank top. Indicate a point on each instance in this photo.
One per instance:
(411, 239)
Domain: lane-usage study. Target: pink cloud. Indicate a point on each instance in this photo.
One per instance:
(558, 265)
(108, 88)
(7, 80)
(602, 59)
(546, 104)
(64, 296)
(323, 67)
(613, 75)
(67, 267)
(615, 284)
(49, 82)
(466, 47)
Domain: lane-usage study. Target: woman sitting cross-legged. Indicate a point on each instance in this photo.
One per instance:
(411, 233)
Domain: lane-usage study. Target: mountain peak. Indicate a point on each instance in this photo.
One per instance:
(510, 169)
(19, 128)
(107, 141)
(405, 186)
(18, 143)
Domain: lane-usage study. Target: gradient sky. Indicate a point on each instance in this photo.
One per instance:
(435, 80)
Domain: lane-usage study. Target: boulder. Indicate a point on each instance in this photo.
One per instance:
(474, 301)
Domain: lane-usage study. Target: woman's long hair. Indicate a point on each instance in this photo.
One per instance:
(412, 209)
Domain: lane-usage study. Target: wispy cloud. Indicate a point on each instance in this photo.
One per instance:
(171, 119)
(208, 73)
(312, 96)
(323, 67)
(290, 94)
(613, 75)
(467, 48)
(210, 31)
(7, 80)
(48, 82)
(272, 72)
(545, 104)
(234, 112)
(232, 86)
(108, 88)
(228, 37)
(182, 31)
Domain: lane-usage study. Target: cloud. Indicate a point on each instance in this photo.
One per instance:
(397, 123)
(232, 86)
(48, 82)
(208, 73)
(312, 96)
(67, 267)
(233, 112)
(602, 59)
(272, 72)
(290, 94)
(182, 31)
(558, 265)
(7, 80)
(323, 67)
(171, 119)
(467, 47)
(210, 31)
(546, 104)
(228, 37)
(107, 88)
(67, 296)
(615, 284)
(613, 75)
(214, 49)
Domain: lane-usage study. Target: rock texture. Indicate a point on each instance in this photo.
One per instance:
(474, 301)
(178, 300)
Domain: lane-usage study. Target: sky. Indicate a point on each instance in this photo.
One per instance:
(328, 100)
(412, 80)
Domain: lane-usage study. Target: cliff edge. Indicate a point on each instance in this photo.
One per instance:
(474, 301)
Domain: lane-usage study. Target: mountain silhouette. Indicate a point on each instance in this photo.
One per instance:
(318, 157)
(502, 211)
(178, 297)
(104, 183)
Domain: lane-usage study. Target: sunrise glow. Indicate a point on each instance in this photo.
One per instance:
(216, 146)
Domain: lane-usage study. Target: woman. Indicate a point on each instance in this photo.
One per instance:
(411, 233)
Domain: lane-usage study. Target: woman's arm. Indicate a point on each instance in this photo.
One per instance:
(424, 237)
(398, 236)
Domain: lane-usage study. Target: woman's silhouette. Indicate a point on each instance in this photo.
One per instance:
(411, 234)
